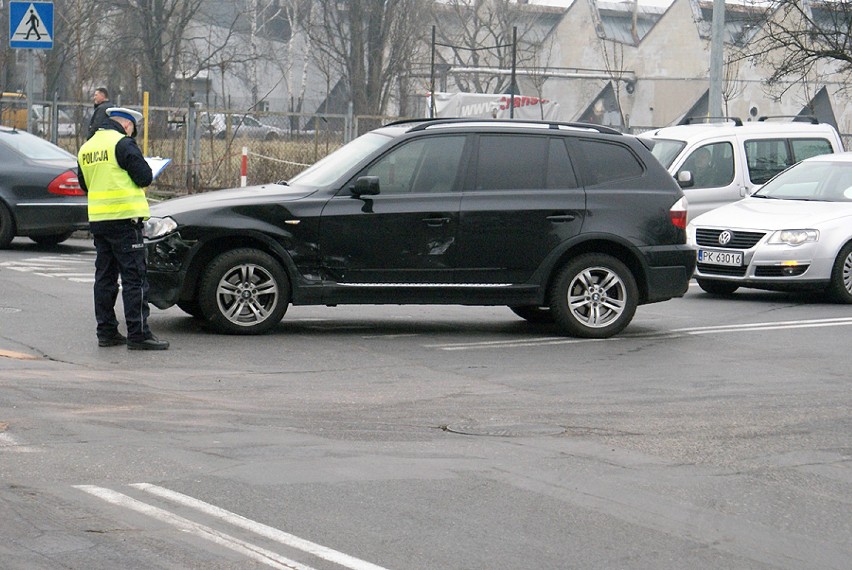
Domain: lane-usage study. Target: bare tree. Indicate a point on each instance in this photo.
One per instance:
(613, 55)
(732, 85)
(152, 34)
(478, 34)
(371, 42)
(802, 37)
(79, 48)
(8, 56)
(537, 74)
(297, 14)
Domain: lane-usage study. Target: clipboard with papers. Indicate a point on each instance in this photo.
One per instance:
(157, 164)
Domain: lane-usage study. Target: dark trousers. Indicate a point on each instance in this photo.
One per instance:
(120, 252)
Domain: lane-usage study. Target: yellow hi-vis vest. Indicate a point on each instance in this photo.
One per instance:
(112, 193)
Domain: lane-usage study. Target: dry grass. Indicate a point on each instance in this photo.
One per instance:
(219, 163)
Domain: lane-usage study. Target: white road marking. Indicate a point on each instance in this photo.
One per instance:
(249, 550)
(260, 529)
(715, 329)
(57, 266)
(770, 325)
(9, 443)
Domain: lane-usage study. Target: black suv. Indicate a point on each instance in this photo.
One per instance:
(567, 223)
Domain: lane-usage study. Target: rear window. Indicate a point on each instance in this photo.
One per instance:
(607, 161)
(806, 148)
(32, 146)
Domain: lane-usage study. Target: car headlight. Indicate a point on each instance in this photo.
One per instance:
(159, 227)
(794, 237)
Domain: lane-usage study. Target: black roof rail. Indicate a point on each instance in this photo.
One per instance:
(426, 123)
(600, 128)
(692, 120)
(793, 118)
(408, 121)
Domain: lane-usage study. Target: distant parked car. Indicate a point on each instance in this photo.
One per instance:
(794, 233)
(65, 127)
(244, 126)
(40, 196)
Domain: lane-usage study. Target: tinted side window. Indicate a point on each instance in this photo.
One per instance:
(766, 158)
(517, 162)
(428, 164)
(560, 173)
(510, 162)
(806, 148)
(607, 161)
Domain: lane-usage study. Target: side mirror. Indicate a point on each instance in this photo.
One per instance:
(365, 186)
(684, 179)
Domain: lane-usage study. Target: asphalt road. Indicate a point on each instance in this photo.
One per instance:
(713, 433)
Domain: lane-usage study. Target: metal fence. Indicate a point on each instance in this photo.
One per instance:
(206, 145)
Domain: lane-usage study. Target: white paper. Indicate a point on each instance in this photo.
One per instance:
(157, 164)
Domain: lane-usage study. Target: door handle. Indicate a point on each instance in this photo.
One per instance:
(436, 221)
(559, 218)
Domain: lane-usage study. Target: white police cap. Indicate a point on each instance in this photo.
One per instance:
(124, 113)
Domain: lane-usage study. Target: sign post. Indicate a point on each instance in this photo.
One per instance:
(30, 27)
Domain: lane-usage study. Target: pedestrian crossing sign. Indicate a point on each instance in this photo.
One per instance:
(31, 25)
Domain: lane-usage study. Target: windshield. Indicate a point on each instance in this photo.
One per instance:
(667, 150)
(334, 165)
(33, 147)
(820, 181)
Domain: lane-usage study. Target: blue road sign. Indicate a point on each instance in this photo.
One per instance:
(31, 25)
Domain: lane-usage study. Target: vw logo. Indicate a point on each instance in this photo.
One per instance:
(725, 237)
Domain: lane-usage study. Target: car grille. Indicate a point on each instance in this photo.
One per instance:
(721, 270)
(779, 271)
(739, 240)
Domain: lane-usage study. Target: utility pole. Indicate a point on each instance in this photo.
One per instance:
(717, 52)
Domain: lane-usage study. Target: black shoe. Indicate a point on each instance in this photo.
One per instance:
(115, 340)
(152, 343)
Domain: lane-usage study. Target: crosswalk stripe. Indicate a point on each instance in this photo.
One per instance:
(61, 267)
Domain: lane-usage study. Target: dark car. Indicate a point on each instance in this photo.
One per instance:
(40, 196)
(571, 224)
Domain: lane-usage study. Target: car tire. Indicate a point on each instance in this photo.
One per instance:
(594, 296)
(840, 287)
(7, 227)
(51, 239)
(717, 287)
(533, 313)
(244, 291)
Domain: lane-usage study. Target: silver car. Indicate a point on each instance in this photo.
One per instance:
(794, 233)
(246, 126)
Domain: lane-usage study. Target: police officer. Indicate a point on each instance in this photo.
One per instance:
(114, 173)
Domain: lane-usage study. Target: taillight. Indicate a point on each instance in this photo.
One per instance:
(66, 184)
(677, 213)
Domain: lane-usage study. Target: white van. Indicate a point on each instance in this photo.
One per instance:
(727, 161)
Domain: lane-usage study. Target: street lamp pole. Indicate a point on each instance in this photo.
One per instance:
(717, 50)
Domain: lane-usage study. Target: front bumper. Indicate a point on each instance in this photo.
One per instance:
(168, 263)
(774, 266)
